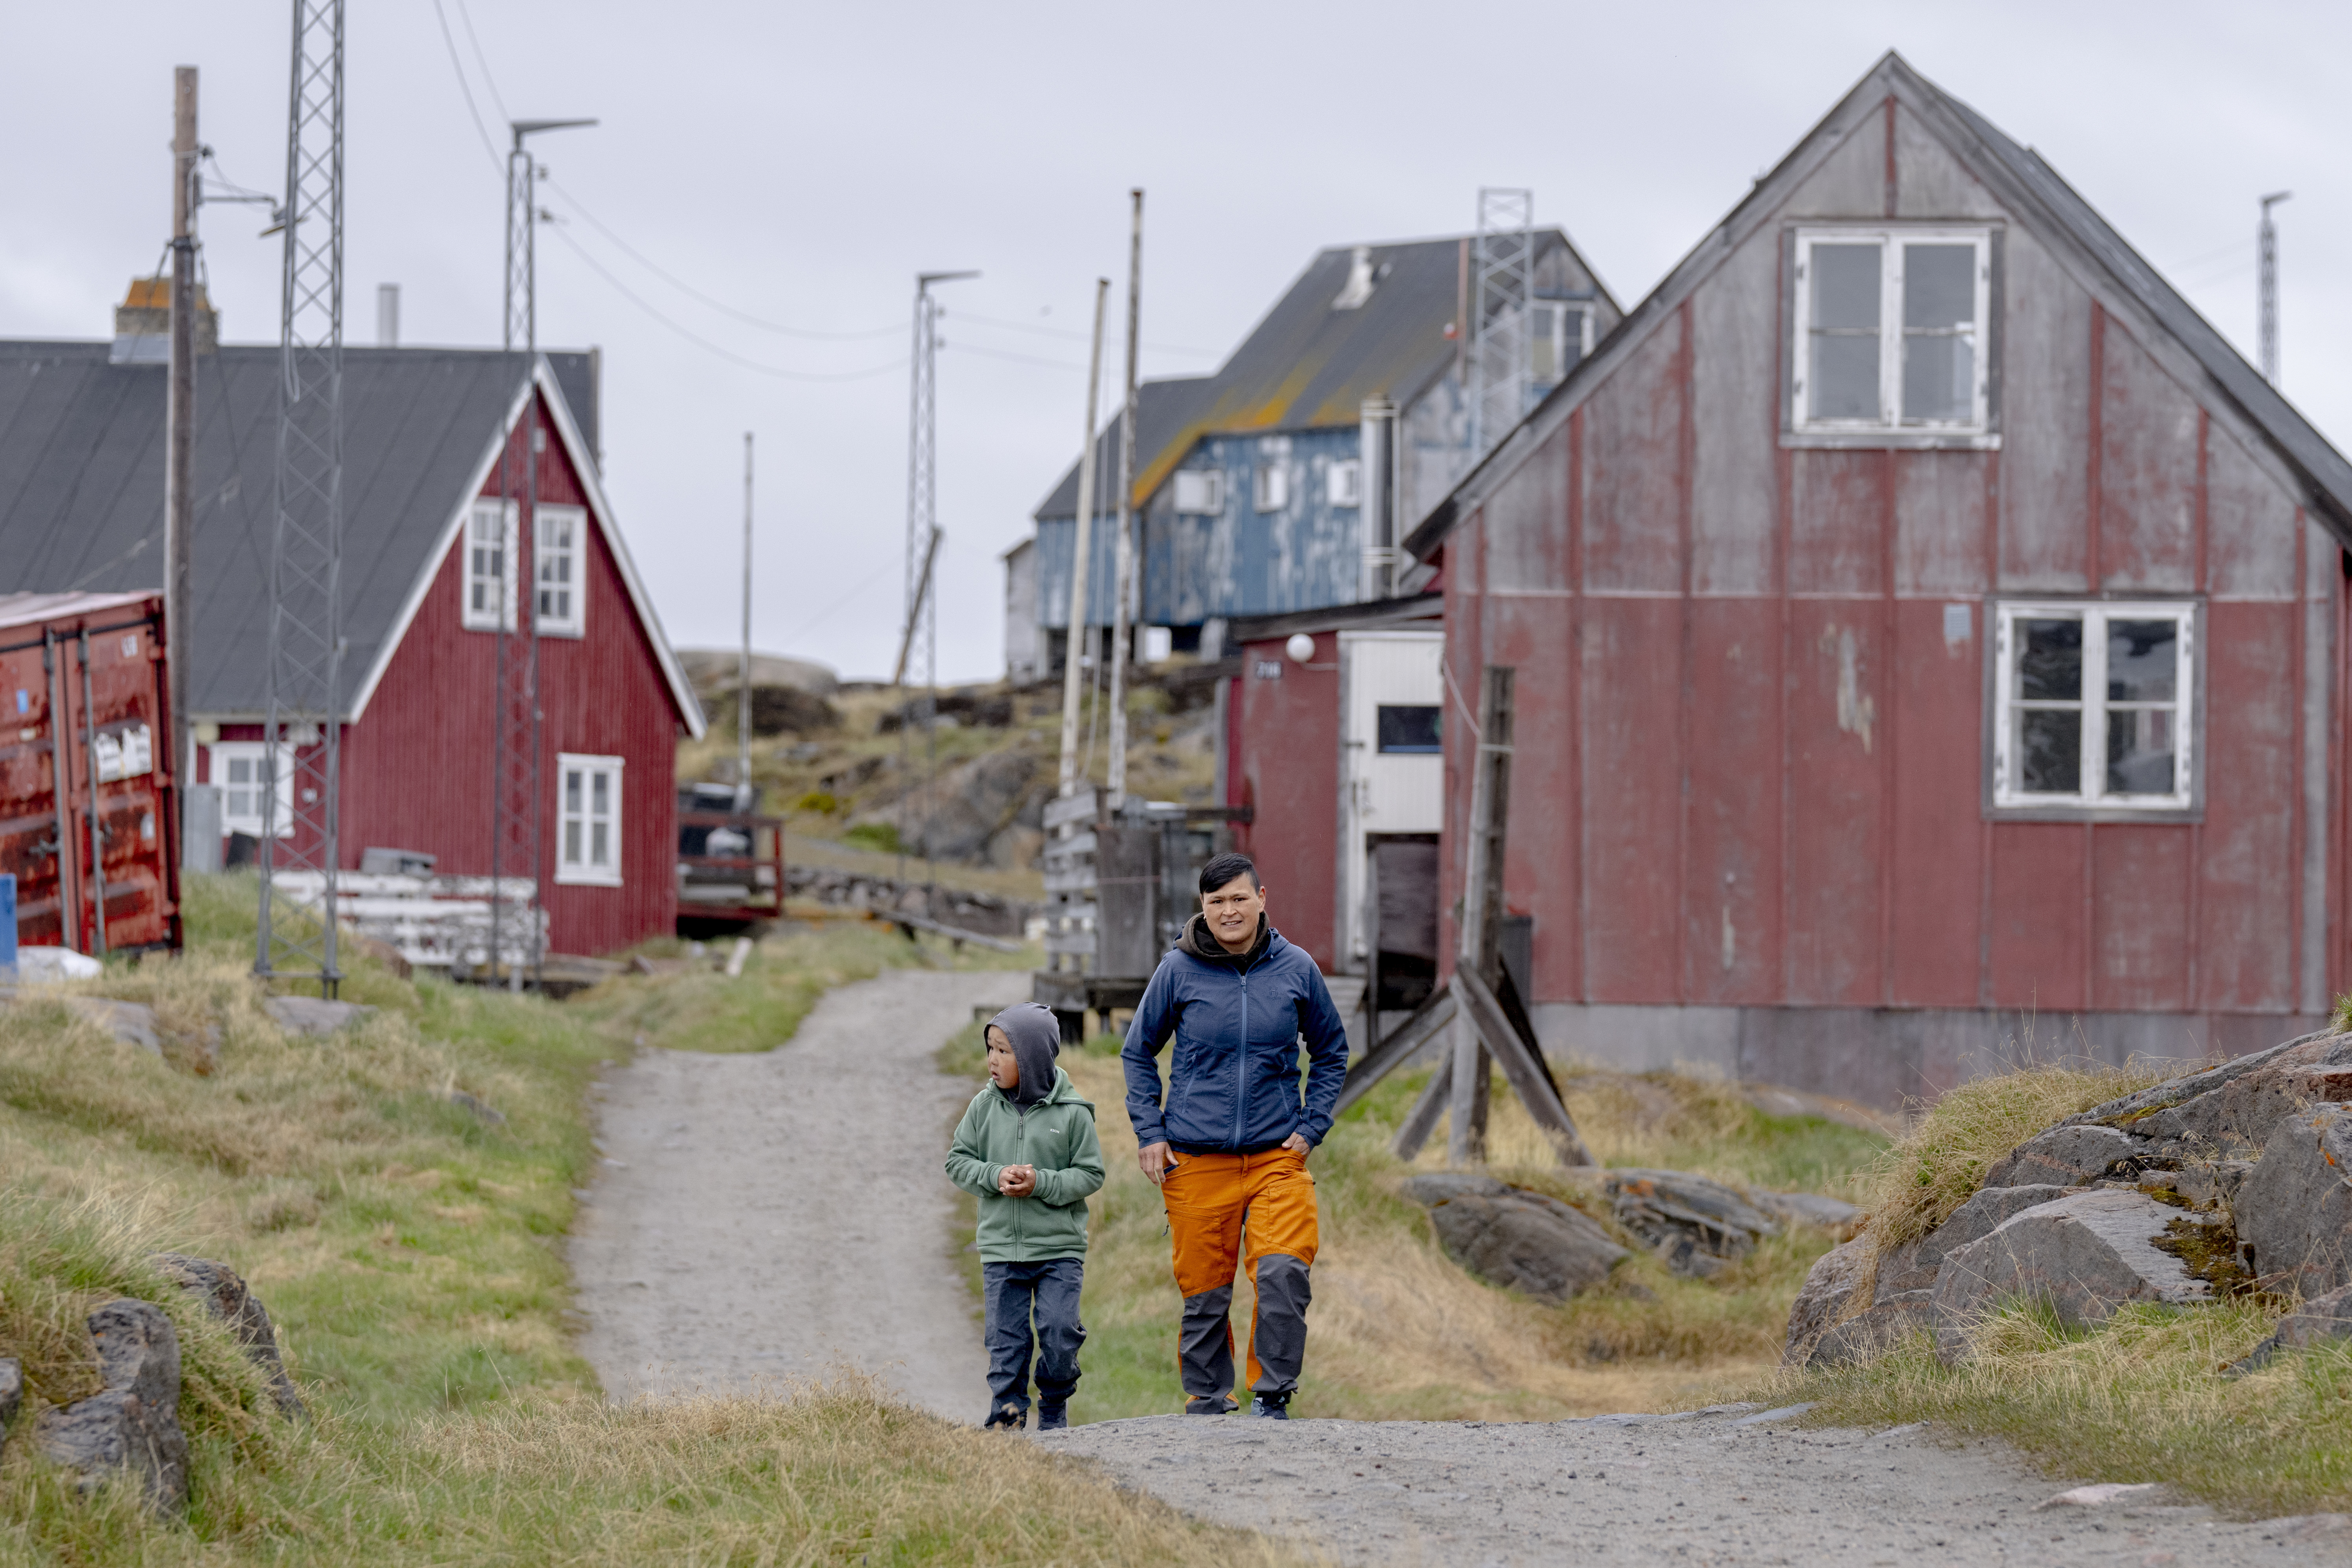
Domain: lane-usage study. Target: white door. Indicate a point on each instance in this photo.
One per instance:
(1391, 764)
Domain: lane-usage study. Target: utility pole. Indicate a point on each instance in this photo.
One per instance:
(922, 550)
(515, 736)
(1123, 587)
(302, 731)
(2266, 304)
(743, 671)
(179, 426)
(1081, 558)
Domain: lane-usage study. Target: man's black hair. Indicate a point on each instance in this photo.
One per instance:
(1223, 869)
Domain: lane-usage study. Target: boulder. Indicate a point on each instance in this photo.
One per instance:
(1513, 1237)
(2086, 1254)
(1876, 1329)
(1822, 1299)
(12, 1393)
(2231, 1108)
(1832, 1214)
(1914, 1264)
(132, 1023)
(313, 1014)
(133, 1427)
(2294, 1211)
(2327, 1317)
(1696, 1226)
(222, 1293)
(2063, 1157)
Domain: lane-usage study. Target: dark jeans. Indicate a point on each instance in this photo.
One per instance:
(1010, 1290)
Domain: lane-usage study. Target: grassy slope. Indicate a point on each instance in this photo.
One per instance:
(1397, 1332)
(2139, 1398)
(413, 1258)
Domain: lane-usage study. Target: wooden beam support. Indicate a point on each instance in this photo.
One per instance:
(1427, 1021)
(1522, 1067)
(1480, 947)
(1422, 1120)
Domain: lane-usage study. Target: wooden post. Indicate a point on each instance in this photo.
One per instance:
(180, 429)
(1478, 950)
(1080, 559)
(1123, 586)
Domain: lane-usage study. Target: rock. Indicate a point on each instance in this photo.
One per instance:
(783, 709)
(1914, 1264)
(2086, 1254)
(1438, 1187)
(1523, 1241)
(313, 1014)
(130, 1022)
(484, 1112)
(1694, 1225)
(2332, 1085)
(135, 1426)
(1876, 1329)
(2206, 1186)
(222, 1293)
(1828, 1214)
(12, 1393)
(2294, 1212)
(2063, 1156)
(2232, 1108)
(2328, 1317)
(976, 802)
(1823, 1296)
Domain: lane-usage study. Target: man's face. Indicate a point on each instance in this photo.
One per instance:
(1232, 912)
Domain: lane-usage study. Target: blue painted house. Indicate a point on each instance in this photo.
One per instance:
(1284, 481)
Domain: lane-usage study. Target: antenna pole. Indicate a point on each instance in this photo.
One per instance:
(1123, 585)
(743, 671)
(1081, 558)
(180, 426)
(2267, 302)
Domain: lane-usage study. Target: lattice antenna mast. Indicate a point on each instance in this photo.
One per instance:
(514, 743)
(918, 642)
(2266, 302)
(302, 707)
(1501, 284)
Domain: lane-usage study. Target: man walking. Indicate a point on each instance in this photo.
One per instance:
(1228, 1149)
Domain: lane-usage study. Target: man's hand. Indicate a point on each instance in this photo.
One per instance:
(1017, 1180)
(1156, 1160)
(1296, 1141)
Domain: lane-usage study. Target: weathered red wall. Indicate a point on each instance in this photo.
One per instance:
(1286, 746)
(1750, 765)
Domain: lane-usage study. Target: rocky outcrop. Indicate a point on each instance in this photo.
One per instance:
(314, 1014)
(2086, 1255)
(1515, 1239)
(222, 1293)
(12, 1393)
(132, 1429)
(2295, 1210)
(2328, 1317)
(1876, 1329)
(1696, 1226)
(1828, 1289)
(2066, 1157)
(1914, 1264)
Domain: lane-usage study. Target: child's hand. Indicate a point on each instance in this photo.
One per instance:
(1017, 1180)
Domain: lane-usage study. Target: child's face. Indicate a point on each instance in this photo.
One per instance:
(1003, 1071)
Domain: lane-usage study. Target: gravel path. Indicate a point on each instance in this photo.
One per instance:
(1727, 1485)
(777, 1216)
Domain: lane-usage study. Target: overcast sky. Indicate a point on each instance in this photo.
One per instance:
(799, 164)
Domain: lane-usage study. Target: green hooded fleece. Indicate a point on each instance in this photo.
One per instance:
(1057, 1136)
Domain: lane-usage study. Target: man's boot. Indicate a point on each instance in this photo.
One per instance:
(1212, 1404)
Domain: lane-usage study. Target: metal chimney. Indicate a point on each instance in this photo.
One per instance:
(387, 315)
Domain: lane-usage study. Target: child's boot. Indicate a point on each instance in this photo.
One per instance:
(1052, 1416)
(1007, 1417)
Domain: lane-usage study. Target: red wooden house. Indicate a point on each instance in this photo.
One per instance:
(1928, 630)
(423, 574)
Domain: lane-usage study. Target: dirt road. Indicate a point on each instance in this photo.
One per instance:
(772, 1216)
(1732, 1486)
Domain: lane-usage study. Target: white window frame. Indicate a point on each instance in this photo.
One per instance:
(219, 754)
(1890, 239)
(473, 584)
(1568, 323)
(1270, 485)
(569, 590)
(2092, 794)
(1200, 492)
(573, 852)
(1343, 482)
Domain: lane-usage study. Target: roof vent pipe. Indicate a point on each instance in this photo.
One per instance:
(1360, 278)
(387, 315)
(1377, 513)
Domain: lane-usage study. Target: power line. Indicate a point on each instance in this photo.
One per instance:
(487, 79)
(466, 87)
(1045, 332)
(963, 348)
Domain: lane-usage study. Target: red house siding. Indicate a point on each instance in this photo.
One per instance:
(1286, 739)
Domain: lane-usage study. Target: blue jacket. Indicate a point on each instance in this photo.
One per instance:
(1232, 1087)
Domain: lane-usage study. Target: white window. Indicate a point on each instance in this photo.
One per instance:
(588, 805)
(561, 546)
(490, 587)
(236, 766)
(1560, 336)
(1343, 483)
(1201, 492)
(1890, 331)
(2093, 705)
(1272, 490)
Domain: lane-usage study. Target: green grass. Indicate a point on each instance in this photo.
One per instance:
(413, 1257)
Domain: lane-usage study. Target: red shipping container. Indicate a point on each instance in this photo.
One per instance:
(89, 804)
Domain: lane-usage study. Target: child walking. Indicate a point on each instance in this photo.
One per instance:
(1026, 1148)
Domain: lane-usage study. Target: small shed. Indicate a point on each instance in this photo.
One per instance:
(1930, 639)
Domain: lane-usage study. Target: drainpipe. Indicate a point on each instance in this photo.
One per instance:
(96, 830)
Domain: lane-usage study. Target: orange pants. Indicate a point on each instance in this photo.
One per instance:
(1216, 1205)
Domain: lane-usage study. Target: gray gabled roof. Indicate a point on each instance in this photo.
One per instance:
(1311, 364)
(2031, 190)
(81, 488)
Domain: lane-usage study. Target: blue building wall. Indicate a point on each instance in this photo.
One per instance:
(1304, 555)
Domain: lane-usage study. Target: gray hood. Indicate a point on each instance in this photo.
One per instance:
(1036, 1037)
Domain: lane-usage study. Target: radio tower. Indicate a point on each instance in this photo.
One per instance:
(303, 704)
(1502, 283)
(918, 640)
(514, 744)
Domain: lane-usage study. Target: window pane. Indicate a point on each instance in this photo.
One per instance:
(1844, 377)
(241, 804)
(600, 853)
(2049, 662)
(1543, 351)
(240, 770)
(2049, 752)
(2142, 659)
(1845, 287)
(571, 842)
(1939, 379)
(2139, 750)
(1410, 730)
(1939, 287)
(602, 784)
(572, 791)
